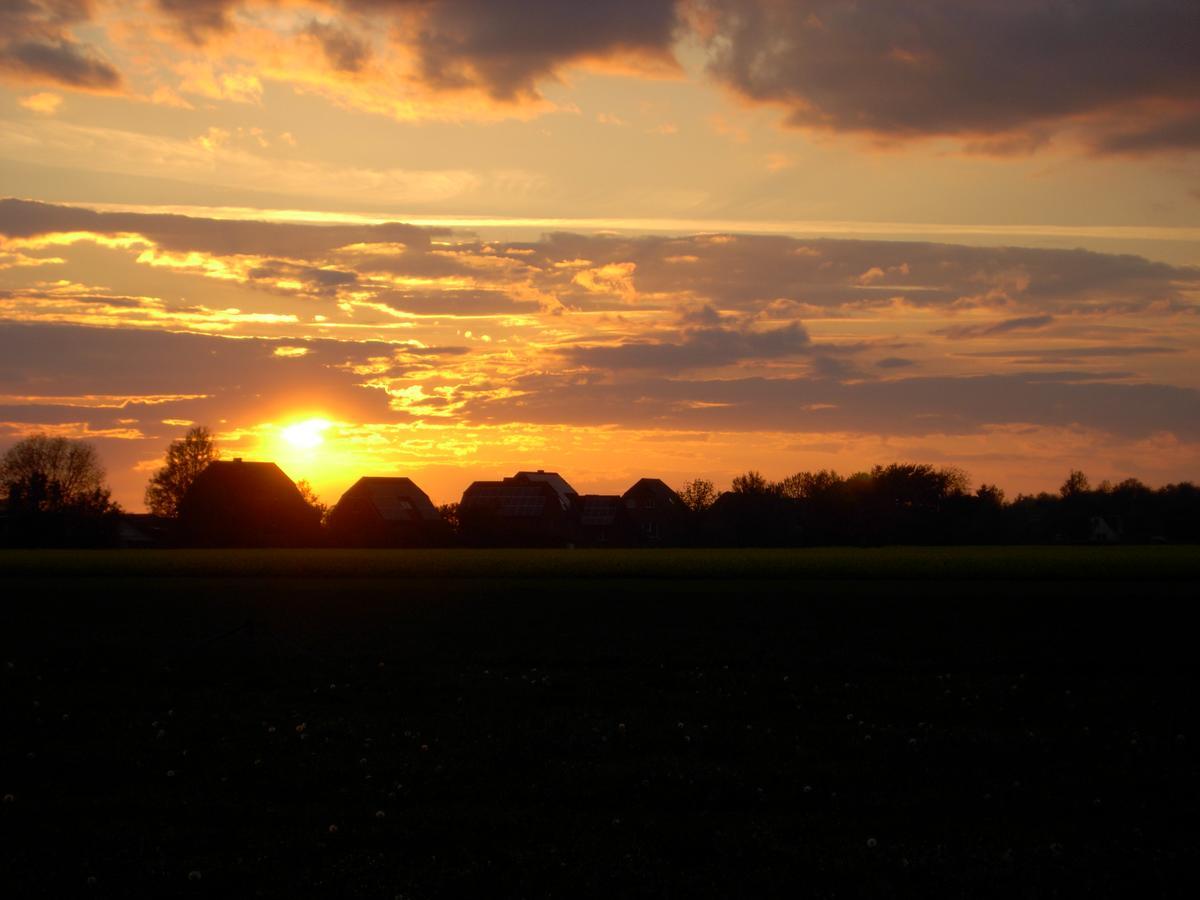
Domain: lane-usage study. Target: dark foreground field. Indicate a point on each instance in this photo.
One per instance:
(717, 724)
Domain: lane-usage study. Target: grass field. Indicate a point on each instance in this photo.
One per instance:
(975, 722)
(1008, 563)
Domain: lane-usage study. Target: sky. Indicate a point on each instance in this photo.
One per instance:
(451, 239)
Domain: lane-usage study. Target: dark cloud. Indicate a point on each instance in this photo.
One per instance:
(698, 348)
(36, 44)
(895, 362)
(1176, 133)
(906, 406)
(705, 278)
(755, 272)
(457, 303)
(506, 50)
(197, 20)
(1064, 355)
(316, 281)
(23, 218)
(345, 51)
(1006, 71)
(1021, 323)
(244, 380)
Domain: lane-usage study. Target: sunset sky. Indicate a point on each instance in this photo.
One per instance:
(450, 239)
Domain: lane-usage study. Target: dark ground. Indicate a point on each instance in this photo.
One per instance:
(597, 737)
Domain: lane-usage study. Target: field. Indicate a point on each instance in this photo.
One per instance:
(974, 722)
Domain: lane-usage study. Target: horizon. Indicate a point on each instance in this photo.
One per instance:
(679, 237)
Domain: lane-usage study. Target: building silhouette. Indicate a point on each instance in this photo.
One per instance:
(234, 503)
(386, 512)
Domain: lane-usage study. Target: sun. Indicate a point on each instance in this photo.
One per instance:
(307, 434)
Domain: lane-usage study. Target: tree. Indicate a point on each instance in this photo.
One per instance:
(809, 485)
(56, 493)
(698, 494)
(1076, 483)
(311, 498)
(449, 514)
(53, 474)
(752, 482)
(186, 458)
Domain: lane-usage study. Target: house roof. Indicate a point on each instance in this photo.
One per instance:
(656, 486)
(395, 499)
(238, 501)
(509, 499)
(561, 487)
(229, 477)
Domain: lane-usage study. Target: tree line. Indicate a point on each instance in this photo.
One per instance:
(53, 493)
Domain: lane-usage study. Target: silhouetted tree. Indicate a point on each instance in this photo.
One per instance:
(1076, 483)
(698, 494)
(55, 492)
(449, 514)
(186, 458)
(810, 485)
(752, 482)
(311, 498)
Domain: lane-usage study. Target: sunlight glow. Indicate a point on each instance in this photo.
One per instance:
(307, 434)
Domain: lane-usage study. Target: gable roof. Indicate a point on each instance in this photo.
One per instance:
(236, 503)
(509, 499)
(225, 479)
(395, 499)
(561, 487)
(655, 486)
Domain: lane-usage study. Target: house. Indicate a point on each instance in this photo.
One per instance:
(534, 509)
(751, 519)
(1100, 532)
(566, 494)
(660, 516)
(386, 512)
(143, 531)
(234, 503)
(604, 521)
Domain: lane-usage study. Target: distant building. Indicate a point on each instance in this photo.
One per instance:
(536, 509)
(739, 519)
(566, 494)
(658, 513)
(1100, 532)
(604, 521)
(143, 531)
(386, 512)
(233, 503)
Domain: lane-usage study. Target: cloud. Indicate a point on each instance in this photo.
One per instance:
(1005, 75)
(906, 406)
(991, 329)
(37, 45)
(345, 51)
(45, 103)
(198, 20)
(482, 44)
(235, 378)
(1071, 355)
(698, 348)
(27, 219)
